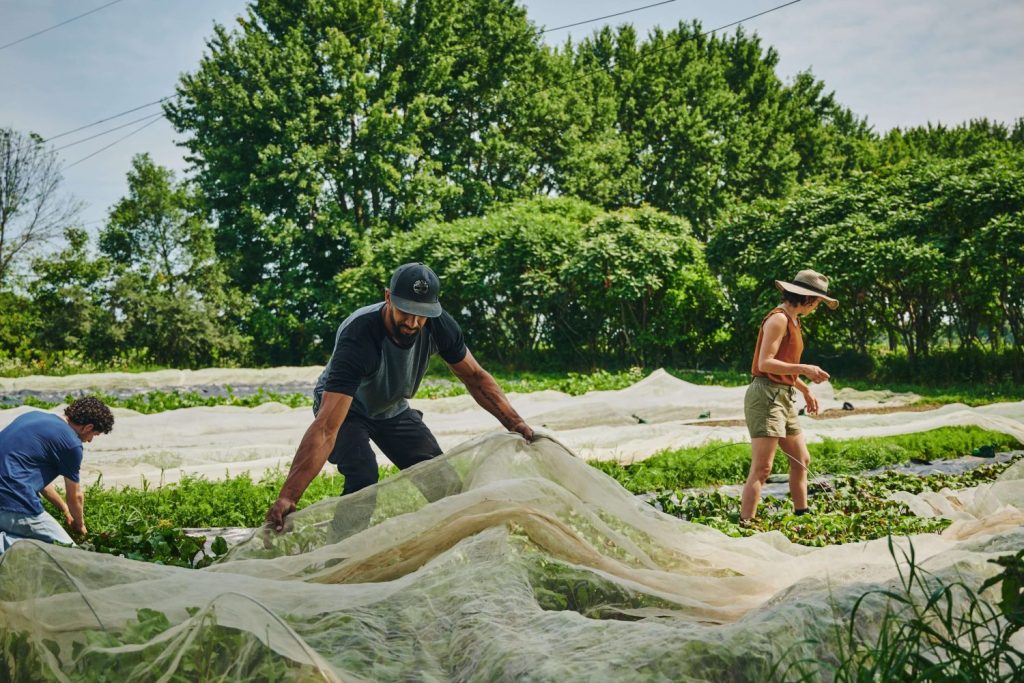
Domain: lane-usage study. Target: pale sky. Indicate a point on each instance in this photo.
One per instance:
(899, 63)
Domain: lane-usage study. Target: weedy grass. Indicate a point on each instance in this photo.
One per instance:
(930, 629)
(198, 502)
(66, 363)
(441, 386)
(728, 463)
(572, 383)
(146, 523)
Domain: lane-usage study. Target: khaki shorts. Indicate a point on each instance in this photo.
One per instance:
(769, 410)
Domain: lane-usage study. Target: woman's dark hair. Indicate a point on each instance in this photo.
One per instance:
(797, 299)
(91, 411)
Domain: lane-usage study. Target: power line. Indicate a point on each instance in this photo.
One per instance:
(562, 84)
(109, 118)
(350, 30)
(124, 137)
(109, 130)
(607, 16)
(68, 21)
(666, 47)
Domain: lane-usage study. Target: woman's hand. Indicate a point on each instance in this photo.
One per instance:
(814, 373)
(812, 402)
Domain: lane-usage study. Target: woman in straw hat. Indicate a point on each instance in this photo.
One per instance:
(769, 403)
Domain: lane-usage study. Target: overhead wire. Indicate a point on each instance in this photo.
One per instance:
(50, 28)
(124, 137)
(607, 16)
(108, 131)
(156, 117)
(350, 30)
(109, 118)
(666, 47)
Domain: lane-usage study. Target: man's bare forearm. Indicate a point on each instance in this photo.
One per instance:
(50, 494)
(76, 506)
(310, 457)
(486, 392)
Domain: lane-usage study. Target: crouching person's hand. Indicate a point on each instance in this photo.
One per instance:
(523, 430)
(281, 508)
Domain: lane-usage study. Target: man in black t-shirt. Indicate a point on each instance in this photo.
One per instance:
(380, 355)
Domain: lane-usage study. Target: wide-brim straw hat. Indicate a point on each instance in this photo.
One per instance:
(808, 283)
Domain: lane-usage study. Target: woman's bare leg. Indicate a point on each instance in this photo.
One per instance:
(799, 458)
(762, 453)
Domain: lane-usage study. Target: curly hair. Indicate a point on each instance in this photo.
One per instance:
(91, 411)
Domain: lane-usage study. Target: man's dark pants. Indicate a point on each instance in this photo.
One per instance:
(406, 441)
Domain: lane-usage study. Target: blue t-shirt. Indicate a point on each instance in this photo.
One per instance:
(34, 449)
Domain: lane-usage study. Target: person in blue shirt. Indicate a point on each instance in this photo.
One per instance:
(34, 449)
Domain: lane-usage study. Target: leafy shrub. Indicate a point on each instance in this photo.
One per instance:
(718, 463)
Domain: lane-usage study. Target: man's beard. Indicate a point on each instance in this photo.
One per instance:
(403, 339)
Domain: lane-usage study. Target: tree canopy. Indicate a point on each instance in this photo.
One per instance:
(619, 200)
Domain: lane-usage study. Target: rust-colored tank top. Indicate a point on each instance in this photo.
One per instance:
(790, 348)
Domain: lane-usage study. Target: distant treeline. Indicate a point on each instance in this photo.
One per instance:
(617, 201)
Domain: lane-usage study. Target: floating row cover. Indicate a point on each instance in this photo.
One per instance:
(528, 565)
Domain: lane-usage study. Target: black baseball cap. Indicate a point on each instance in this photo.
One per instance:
(414, 290)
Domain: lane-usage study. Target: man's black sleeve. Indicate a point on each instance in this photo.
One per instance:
(354, 358)
(448, 336)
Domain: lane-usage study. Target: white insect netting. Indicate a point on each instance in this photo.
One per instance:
(660, 412)
(501, 560)
(528, 565)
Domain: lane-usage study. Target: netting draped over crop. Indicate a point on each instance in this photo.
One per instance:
(660, 412)
(500, 561)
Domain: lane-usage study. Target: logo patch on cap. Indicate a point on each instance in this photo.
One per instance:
(420, 287)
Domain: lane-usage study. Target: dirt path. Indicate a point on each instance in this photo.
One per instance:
(837, 413)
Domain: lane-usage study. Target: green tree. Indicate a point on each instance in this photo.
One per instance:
(560, 280)
(313, 125)
(706, 121)
(19, 321)
(639, 291)
(946, 142)
(914, 249)
(999, 248)
(68, 291)
(168, 290)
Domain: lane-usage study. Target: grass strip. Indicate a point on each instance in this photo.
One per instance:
(719, 463)
(151, 402)
(977, 394)
(439, 386)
